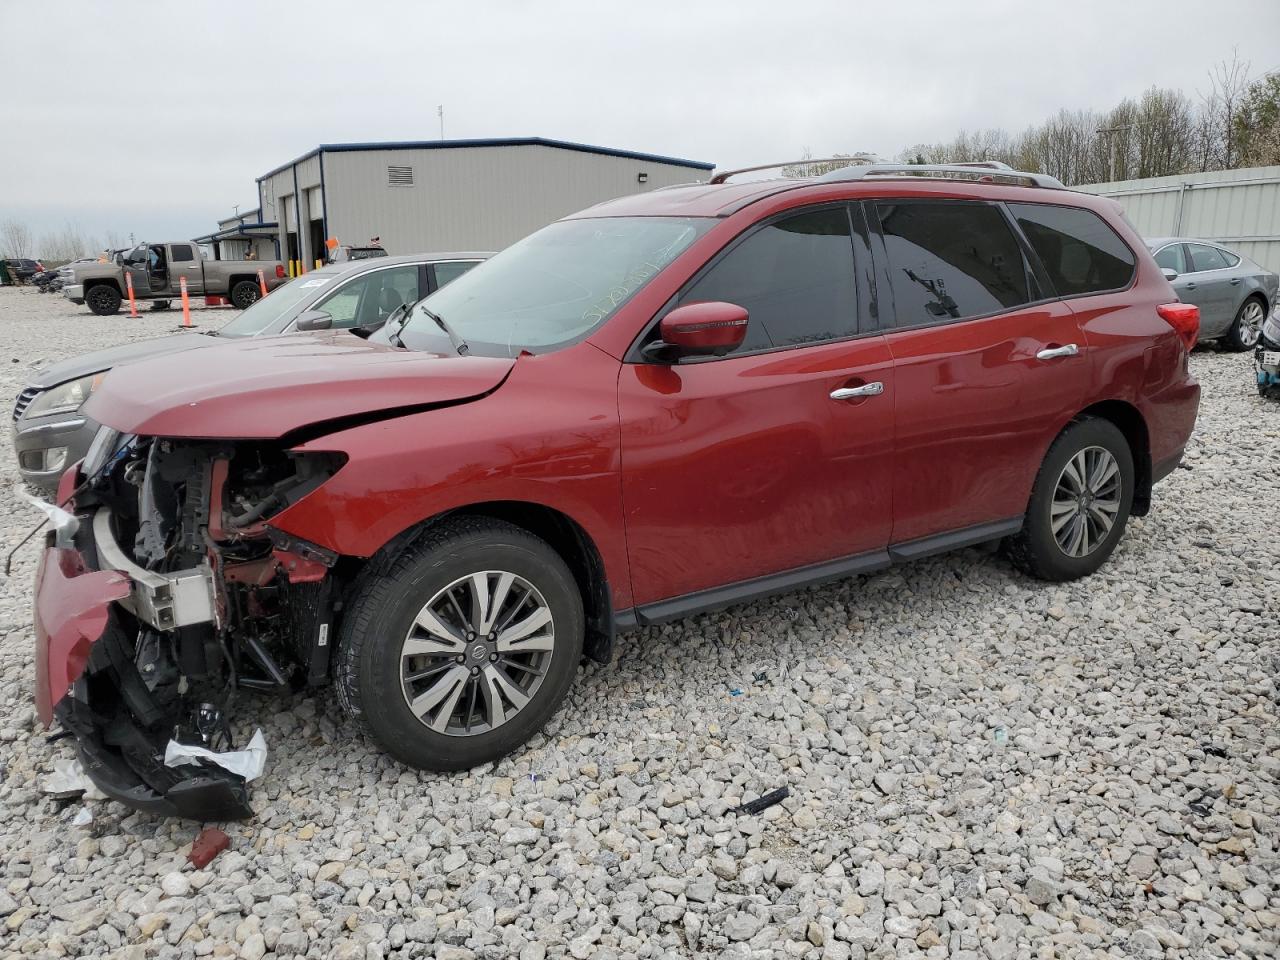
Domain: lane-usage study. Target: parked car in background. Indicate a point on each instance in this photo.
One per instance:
(51, 432)
(22, 269)
(1234, 294)
(662, 405)
(157, 270)
(344, 253)
(1266, 359)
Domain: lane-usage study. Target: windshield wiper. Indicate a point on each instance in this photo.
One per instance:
(401, 320)
(459, 345)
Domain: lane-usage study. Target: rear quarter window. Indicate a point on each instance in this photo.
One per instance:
(1080, 253)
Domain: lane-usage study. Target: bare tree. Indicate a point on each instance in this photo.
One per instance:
(1217, 145)
(66, 244)
(15, 239)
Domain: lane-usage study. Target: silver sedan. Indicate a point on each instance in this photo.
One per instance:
(1234, 294)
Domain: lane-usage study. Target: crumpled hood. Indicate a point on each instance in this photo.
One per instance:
(266, 387)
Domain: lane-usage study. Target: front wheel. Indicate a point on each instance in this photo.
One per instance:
(1246, 329)
(245, 293)
(103, 300)
(461, 648)
(1079, 505)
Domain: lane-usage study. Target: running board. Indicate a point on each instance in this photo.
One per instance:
(717, 598)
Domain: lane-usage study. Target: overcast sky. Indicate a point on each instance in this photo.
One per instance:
(156, 118)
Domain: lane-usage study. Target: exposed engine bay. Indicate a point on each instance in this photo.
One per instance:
(221, 607)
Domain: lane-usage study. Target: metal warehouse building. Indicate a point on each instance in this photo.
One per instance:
(1237, 208)
(443, 194)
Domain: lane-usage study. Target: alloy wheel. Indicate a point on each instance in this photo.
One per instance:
(1251, 318)
(477, 653)
(1086, 501)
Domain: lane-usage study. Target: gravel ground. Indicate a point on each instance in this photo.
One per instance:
(980, 766)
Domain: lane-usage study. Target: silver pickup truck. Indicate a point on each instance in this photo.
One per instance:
(157, 270)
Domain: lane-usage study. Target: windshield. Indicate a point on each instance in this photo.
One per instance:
(553, 287)
(283, 299)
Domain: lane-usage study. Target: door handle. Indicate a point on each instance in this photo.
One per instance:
(1235, 282)
(873, 389)
(1191, 286)
(1052, 353)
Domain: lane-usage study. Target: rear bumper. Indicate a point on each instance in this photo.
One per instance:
(86, 633)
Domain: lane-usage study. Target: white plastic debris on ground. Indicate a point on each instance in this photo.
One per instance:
(247, 763)
(69, 780)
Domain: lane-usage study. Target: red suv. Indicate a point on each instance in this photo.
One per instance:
(662, 405)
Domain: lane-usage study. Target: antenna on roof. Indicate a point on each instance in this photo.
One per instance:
(440, 114)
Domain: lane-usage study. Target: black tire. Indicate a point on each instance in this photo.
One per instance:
(245, 293)
(388, 599)
(103, 300)
(1035, 549)
(1242, 336)
(158, 305)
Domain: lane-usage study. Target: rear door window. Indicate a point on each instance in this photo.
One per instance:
(181, 253)
(450, 270)
(1080, 253)
(1172, 258)
(949, 260)
(794, 276)
(1204, 257)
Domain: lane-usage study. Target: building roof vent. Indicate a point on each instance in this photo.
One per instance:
(400, 176)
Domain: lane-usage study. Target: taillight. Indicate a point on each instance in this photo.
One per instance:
(279, 271)
(1185, 320)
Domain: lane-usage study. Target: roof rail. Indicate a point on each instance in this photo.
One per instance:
(859, 158)
(987, 171)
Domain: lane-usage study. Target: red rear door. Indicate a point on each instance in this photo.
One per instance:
(744, 466)
(984, 380)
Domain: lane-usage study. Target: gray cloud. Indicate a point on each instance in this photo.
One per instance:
(156, 117)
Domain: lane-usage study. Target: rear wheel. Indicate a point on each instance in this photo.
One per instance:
(1079, 505)
(159, 304)
(244, 293)
(1247, 326)
(103, 300)
(461, 648)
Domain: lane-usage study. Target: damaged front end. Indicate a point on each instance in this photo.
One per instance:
(173, 598)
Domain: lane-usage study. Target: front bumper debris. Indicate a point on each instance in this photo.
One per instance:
(163, 600)
(86, 625)
(72, 605)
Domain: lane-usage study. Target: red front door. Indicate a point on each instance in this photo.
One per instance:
(743, 467)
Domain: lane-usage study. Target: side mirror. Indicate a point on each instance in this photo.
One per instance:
(712, 328)
(1169, 274)
(313, 320)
